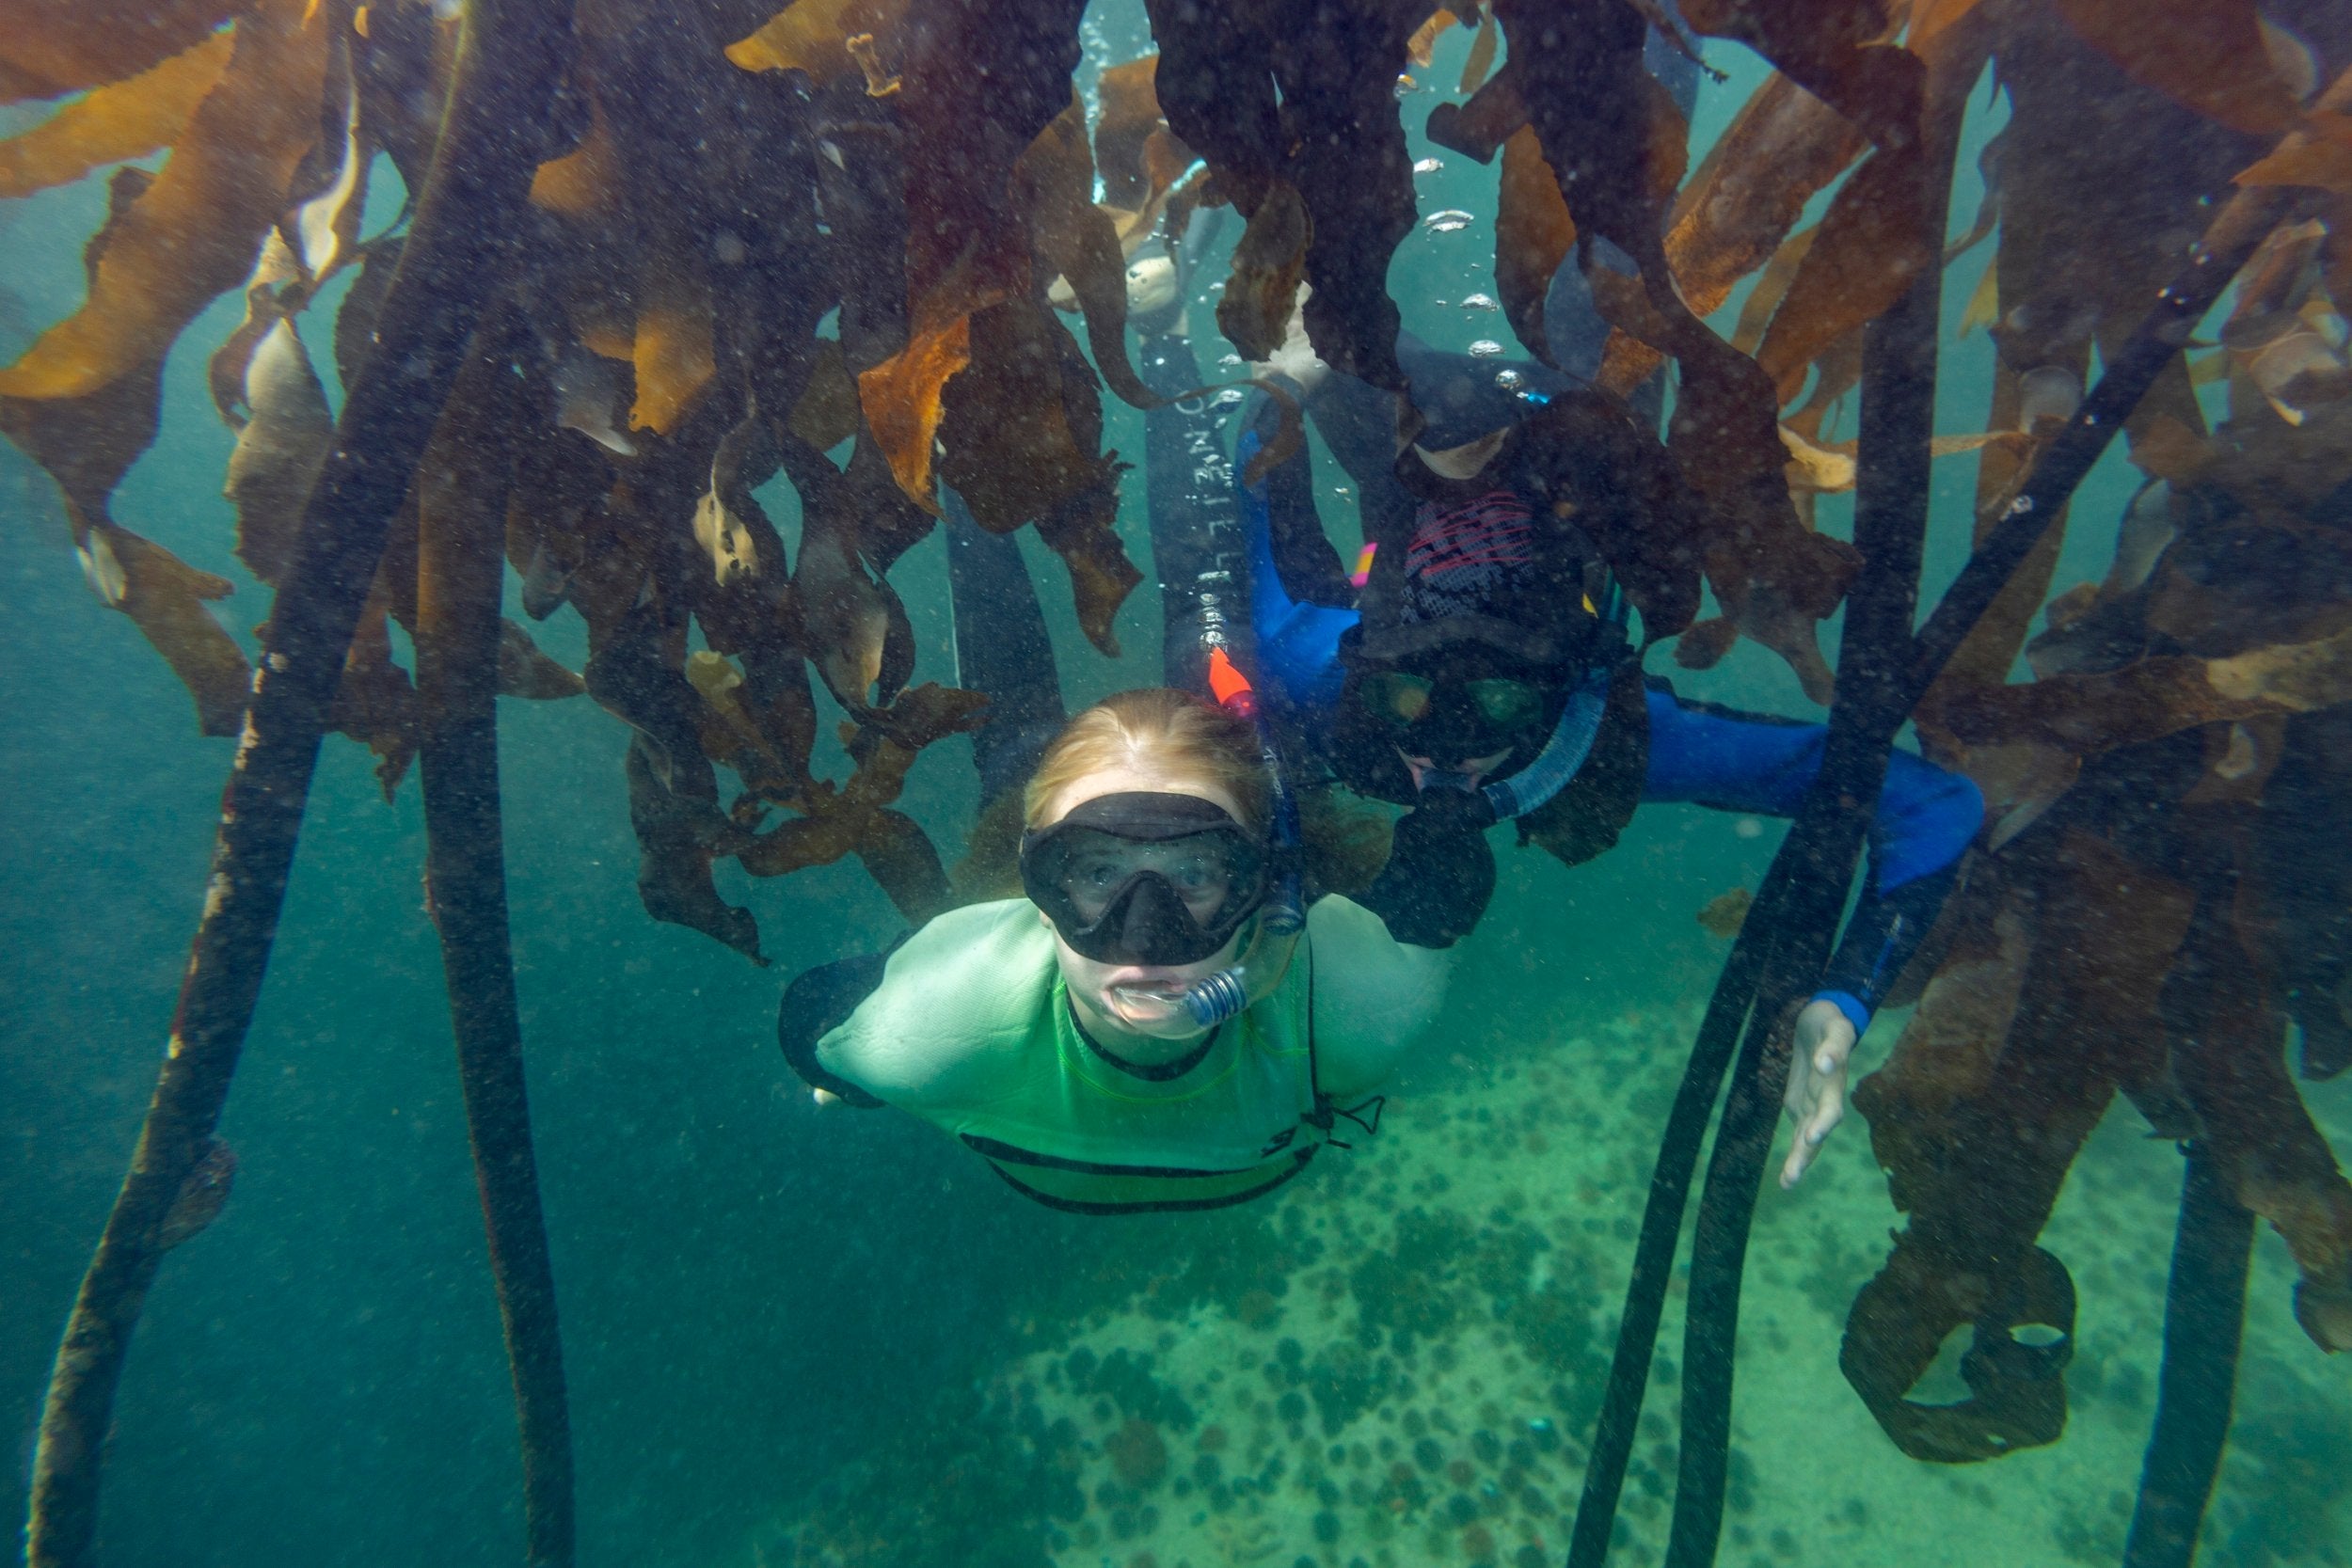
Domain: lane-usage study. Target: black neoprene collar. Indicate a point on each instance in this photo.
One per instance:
(1163, 1073)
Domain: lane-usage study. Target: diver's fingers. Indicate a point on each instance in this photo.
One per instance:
(1797, 1098)
(1823, 1043)
(1827, 1110)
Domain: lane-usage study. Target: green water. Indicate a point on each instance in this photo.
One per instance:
(778, 1321)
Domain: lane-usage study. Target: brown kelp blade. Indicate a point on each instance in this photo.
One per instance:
(192, 234)
(1783, 148)
(48, 51)
(2205, 55)
(900, 399)
(1533, 234)
(2155, 697)
(677, 838)
(125, 119)
(900, 858)
(525, 671)
(1269, 262)
(1011, 453)
(278, 451)
(1866, 252)
(165, 597)
(1054, 183)
(814, 36)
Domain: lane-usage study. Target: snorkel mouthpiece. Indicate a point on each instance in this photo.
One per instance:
(1214, 998)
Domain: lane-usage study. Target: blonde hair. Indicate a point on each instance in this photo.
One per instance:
(1188, 738)
(1161, 729)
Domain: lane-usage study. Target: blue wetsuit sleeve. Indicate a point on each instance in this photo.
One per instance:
(1298, 644)
(1926, 816)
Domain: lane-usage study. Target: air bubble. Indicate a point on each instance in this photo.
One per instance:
(1486, 348)
(1453, 220)
(1508, 380)
(1405, 85)
(1429, 165)
(1480, 302)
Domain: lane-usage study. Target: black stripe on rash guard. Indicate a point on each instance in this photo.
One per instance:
(1005, 1151)
(1156, 1206)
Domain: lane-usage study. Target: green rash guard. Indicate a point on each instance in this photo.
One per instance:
(970, 1029)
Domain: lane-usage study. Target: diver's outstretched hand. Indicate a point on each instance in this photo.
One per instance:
(1824, 1040)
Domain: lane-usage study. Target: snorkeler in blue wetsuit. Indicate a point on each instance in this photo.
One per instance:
(1482, 673)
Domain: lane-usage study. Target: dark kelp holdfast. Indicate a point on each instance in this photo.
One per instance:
(2017, 1388)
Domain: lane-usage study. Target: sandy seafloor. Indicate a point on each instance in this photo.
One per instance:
(1229, 1413)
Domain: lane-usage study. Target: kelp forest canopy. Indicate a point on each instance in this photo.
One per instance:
(880, 248)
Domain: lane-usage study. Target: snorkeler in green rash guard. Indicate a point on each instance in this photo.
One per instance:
(1156, 1026)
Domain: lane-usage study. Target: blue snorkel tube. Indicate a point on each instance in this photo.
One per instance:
(1572, 737)
(1214, 998)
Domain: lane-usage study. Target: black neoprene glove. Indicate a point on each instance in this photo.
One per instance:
(814, 1006)
(1440, 871)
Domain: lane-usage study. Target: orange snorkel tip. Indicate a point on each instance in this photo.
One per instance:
(1229, 686)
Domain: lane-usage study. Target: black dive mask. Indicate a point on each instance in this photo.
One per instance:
(1145, 878)
(1450, 718)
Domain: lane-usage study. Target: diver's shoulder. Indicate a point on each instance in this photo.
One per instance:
(1005, 922)
(1335, 918)
(1372, 996)
(1345, 935)
(956, 1006)
(981, 949)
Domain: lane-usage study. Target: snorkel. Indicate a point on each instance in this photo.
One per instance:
(1214, 998)
(1570, 743)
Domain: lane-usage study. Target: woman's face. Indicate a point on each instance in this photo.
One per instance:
(1138, 999)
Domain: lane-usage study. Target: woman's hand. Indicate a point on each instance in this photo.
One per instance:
(1824, 1040)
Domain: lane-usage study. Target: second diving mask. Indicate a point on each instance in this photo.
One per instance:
(1145, 878)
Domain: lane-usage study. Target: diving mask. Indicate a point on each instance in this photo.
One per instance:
(1144, 877)
(1401, 699)
(1455, 709)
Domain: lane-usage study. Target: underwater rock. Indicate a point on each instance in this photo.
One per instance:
(1344, 1382)
(1137, 1454)
(1404, 1290)
(1126, 1381)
